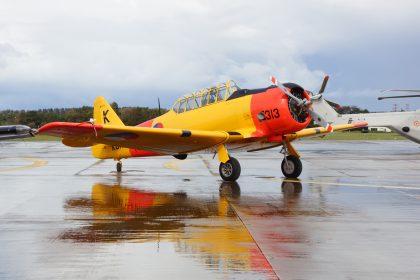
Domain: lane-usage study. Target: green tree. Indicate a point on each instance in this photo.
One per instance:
(351, 110)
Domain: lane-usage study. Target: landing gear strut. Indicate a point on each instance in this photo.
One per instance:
(230, 170)
(119, 166)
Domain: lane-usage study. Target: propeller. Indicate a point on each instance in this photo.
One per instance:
(400, 96)
(299, 102)
(324, 84)
(305, 104)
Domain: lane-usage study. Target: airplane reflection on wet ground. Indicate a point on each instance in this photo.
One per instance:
(353, 215)
(205, 229)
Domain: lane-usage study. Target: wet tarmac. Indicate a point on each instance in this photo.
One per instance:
(354, 214)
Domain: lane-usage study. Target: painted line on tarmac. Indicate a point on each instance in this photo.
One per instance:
(90, 166)
(410, 195)
(255, 241)
(175, 165)
(349, 184)
(35, 163)
(206, 162)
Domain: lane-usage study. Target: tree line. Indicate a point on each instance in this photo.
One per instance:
(37, 118)
(129, 115)
(351, 110)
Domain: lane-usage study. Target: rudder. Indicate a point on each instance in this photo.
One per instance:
(104, 114)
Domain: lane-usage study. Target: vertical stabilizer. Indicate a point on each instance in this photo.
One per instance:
(105, 115)
(321, 106)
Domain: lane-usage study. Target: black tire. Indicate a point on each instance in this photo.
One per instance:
(119, 166)
(231, 170)
(294, 167)
(181, 156)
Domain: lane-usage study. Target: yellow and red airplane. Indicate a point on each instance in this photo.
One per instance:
(215, 120)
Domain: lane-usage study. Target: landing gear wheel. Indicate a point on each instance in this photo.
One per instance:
(119, 166)
(292, 167)
(231, 170)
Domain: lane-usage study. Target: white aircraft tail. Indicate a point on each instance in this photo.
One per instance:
(321, 106)
(406, 124)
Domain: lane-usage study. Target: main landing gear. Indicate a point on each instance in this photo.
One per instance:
(291, 166)
(230, 170)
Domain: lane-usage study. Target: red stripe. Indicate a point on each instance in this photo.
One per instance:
(330, 128)
(67, 128)
(361, 124)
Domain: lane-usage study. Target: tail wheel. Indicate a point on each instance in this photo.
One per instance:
(119, 166)
(231, 170)
(292, 167)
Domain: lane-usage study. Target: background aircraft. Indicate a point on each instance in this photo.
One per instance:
(405, 123)
(214, 120)
(8, 132)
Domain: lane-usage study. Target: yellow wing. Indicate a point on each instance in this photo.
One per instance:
(319, 131)
(160, 140)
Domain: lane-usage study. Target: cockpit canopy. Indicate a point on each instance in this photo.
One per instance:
(204, 97)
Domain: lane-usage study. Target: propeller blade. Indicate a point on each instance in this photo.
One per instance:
(324, 84)
(399, 96)
(300, 102)
(320, 120)
(273, 80)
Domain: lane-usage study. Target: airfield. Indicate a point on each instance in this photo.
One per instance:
(354, 213)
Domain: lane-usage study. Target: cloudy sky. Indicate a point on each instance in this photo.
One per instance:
(64, 53)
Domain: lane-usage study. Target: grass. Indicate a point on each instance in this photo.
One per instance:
(357, 135)
(40, 138)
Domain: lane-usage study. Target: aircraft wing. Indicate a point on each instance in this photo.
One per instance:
(160, 140)
(319, 131)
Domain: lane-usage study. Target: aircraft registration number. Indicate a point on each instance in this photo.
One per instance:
(271, 114)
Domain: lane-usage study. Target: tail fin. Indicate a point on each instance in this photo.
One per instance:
(321, 106)
(104, 114)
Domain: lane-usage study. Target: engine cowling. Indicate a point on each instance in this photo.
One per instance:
(275, 113)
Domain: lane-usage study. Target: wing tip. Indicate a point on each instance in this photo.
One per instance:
(360, 124)
(49, 126)
(58, 126)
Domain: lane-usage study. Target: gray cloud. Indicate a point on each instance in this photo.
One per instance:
(133, 51)
(8, 51)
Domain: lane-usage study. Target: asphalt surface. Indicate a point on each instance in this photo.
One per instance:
(354, 214)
